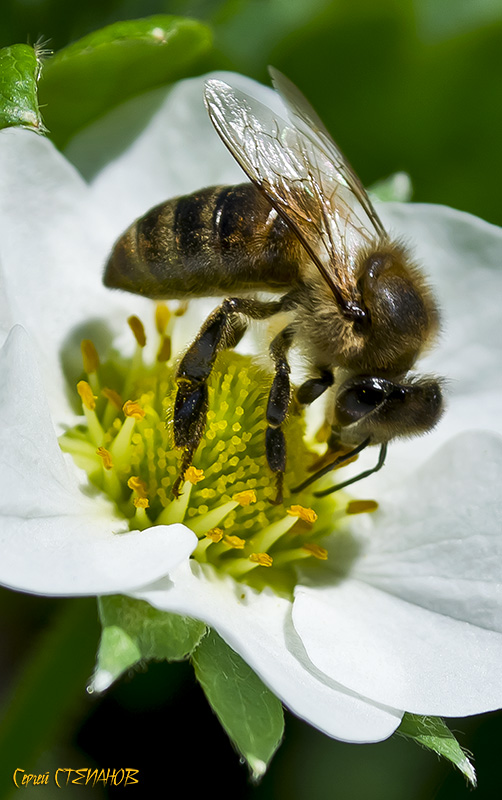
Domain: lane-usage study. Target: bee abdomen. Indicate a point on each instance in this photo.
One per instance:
(214, 241)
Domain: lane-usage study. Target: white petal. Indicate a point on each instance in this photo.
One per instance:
(437, 540)
(53, 245)
(53, 538)
(258, 627)
(418, 624)
(398, 653)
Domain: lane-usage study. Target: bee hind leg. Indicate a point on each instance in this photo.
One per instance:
(223, 329)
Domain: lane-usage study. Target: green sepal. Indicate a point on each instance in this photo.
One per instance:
(134, 631)
(19, 74)
(107, 67)
(250, 714)
(434, 734)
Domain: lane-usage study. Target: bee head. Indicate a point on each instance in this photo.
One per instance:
(381, 409)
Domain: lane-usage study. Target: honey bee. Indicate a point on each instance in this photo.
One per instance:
(356, 305)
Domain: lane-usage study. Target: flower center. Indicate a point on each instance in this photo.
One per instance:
(125, 446)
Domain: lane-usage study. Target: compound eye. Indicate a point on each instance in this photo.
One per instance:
(355, 400)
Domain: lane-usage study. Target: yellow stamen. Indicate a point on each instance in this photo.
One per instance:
(315, 550)
(194, 475)
(86, 395)
(306, 514)
(89, 356)
(138, 330)
(133, 409)
(162, 317)
(215, 535)
(137, 485)
(164, 353)
(141, 520)
(361, 506)
(234, 541)
(141, 502)
(203, 523)
(182, 309)
(106, 457)
(113, 397)
(120, 445)
(271, 533)
(238, 567)
(263, 559)
(245, 498)
(175, 511)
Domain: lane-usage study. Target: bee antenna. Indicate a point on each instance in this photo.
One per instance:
(379, 465)
(336, 463)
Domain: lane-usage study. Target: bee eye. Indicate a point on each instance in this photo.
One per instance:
(356, 400)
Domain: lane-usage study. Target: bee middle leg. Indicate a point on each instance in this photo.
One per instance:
(277, 408)
(223, 329)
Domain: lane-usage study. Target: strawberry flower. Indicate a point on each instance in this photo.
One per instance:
(404, 610)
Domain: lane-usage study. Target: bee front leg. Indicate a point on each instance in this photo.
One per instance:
(277, 408)
(314, 387)
(223, 329)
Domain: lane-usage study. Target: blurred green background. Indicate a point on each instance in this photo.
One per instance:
(411, 85)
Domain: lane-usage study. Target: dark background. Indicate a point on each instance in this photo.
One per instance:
(413, 86)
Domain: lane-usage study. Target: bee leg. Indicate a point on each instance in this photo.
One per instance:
(277, 408)
(222, 329)
(314, 387)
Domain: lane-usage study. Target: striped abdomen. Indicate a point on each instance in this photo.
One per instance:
(214, 241)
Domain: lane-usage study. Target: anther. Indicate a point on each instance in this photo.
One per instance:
(133, 409)
(113, 397)
(234, 541)
(215, 535)
(305, 514)
(86, 395)
(263, 559)
(141, 502)
(162, 317)
(138, 330)
(137, 485)
(89, 356)
(315, 550)
(361, 506)
(164, 352)
(106, 457)
(245, 498)
(194, 475)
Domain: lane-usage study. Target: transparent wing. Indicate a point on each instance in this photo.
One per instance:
(307, 121)
(303, 174)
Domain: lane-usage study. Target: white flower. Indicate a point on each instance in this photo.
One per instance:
(407, 613)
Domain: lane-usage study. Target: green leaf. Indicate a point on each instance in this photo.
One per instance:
(134, 631)
(50, 688)
(453, 17)
(433, 733)
(19, 73)
(250, 714)
(105, 68)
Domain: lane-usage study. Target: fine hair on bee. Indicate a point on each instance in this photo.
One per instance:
(355, 304)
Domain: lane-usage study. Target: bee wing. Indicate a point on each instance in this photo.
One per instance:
(311, 125)
(304, 175)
